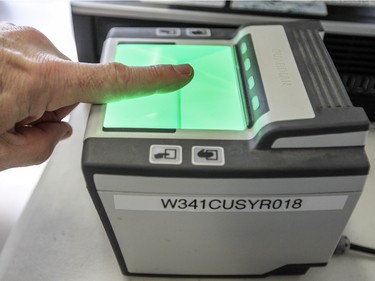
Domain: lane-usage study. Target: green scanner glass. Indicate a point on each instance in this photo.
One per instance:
(211, 101)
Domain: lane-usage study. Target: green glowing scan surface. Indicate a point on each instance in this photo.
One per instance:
(211, 101)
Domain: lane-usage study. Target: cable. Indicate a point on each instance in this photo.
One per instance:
(359, 248)
(344, 245)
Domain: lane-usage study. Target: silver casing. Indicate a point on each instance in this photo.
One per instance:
(181, 224)
(220, 242)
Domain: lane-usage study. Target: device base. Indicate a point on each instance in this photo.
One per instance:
(291, 269)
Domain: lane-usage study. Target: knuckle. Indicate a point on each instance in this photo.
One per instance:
(21, 32)
(30, 30)
(33, 90)
(33, 76)
(121, 73)
(31, 33)
(43, 82)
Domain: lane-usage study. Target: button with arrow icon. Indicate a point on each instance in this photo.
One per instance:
(208, 155)
(165, 154)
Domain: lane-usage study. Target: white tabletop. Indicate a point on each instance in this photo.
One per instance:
(60, 237)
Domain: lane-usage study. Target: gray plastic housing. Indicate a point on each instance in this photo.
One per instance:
(321, 156)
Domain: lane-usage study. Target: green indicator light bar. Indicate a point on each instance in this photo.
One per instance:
(255, 103)
(247, 64)
(251, 82)
(243, 48)
(211, 101)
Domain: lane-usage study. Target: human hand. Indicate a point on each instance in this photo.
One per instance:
(39, 86)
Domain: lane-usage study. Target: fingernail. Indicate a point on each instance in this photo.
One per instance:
(184, 69)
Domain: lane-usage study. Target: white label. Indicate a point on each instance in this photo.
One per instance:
(229, 204)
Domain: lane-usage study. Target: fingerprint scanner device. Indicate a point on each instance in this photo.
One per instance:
(252, 169)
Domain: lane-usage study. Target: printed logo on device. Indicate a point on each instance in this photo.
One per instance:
(225, 204)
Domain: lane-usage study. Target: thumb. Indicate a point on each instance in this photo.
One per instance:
(102, 83)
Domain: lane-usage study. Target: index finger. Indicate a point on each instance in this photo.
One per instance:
(102, 83)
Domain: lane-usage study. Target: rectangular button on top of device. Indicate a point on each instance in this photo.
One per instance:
(168, 32)
(198, 32)
(208, 156)
(166, 154)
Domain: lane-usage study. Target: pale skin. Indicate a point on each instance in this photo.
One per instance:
(39, 86)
